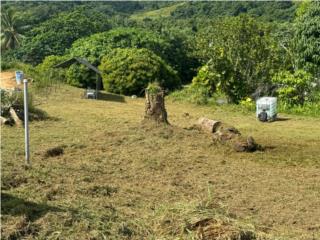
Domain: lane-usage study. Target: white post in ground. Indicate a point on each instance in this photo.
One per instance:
(26, 122)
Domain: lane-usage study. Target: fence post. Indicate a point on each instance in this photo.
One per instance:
(26, 122)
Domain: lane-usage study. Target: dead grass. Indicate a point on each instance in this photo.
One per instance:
(119, 178)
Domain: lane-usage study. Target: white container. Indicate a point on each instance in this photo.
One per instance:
(269, 105)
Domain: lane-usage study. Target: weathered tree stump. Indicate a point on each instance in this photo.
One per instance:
(155, 107)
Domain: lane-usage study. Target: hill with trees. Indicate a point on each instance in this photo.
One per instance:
(235, 49)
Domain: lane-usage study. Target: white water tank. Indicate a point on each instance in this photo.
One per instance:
(268, 105)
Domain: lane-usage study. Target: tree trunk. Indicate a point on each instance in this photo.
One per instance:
(208, 124)
(155, 107)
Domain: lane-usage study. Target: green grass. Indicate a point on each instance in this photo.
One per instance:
(155, 14)
(119, 178)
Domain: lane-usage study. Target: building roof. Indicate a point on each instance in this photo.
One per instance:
(70, 61)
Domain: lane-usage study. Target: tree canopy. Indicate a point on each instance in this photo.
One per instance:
(128, 71)
(55, 35)
(307, 38)
(240, 54)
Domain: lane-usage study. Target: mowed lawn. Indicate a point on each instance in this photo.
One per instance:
(119, 178)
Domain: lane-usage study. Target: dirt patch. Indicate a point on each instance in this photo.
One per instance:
(8, 80)
(54, 152)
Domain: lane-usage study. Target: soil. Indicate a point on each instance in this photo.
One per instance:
(8, 80)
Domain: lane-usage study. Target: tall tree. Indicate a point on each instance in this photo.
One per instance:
(240, 54)
(11, 30)
(307, 38)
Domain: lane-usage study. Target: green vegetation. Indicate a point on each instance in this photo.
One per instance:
(294, 88)
(234, 49)
(307, 39)
(11, 36)
(240, 55)
(267, 11)
(156, 14)
(55, 35)
(128, 71)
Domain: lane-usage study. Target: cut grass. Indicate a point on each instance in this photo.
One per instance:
(120, 179)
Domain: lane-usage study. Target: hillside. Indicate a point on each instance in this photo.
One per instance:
(118, 178)
(156, 14)
(268, 11)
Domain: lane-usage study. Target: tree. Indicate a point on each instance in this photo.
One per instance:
(241, 55)
(94, 47)
(307, 38)
(55, 35)
(12, 28)
(128, 71)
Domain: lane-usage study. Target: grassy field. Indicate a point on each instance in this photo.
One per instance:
(119, 178)
(159, 13)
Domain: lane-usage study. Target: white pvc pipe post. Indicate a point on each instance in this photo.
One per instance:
(26, 122)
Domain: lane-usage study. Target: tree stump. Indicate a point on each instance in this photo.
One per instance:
(155, 108)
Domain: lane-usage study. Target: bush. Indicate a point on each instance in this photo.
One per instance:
(248, 104)
(50, 61)
(294, 88)
(128, 71)
(195, 94)
(79, 75)
(206, 79)
(94, 47)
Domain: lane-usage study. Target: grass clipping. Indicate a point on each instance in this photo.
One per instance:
(204, 221)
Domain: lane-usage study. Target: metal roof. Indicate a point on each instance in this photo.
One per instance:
(71, 61)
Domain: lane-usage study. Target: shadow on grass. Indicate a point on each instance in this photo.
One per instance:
(111, 97)
(280, 119)
(37, 114)
(14, 206)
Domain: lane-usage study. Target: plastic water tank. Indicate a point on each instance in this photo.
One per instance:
(268, 105)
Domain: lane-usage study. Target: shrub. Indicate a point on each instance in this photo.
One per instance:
(248, 104)
(80, 76)
(206, 79)
(50, 61)
(94, 47)
(196, 94)
(128, 71)
(293, 88)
